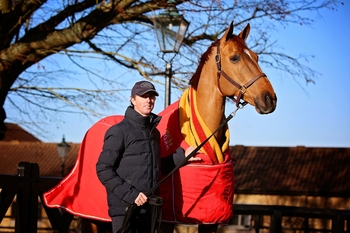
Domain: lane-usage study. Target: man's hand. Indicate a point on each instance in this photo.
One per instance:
(188, 152)
(141, 199)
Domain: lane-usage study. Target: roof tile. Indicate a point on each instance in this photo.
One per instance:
(44, 154)
(313, 171)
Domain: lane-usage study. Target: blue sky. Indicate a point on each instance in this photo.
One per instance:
(311, 115)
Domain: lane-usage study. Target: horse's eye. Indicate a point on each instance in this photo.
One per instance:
(235, 58)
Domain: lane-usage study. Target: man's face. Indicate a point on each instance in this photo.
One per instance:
(144, 104)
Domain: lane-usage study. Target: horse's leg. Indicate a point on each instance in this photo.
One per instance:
(166, 227)
(86, 226)
(207, 228)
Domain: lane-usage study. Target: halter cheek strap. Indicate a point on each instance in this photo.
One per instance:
(242, 88)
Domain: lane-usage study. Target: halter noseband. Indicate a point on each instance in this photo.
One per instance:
(242, 89)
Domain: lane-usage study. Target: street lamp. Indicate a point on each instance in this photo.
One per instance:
(171, 28)
(63, 149)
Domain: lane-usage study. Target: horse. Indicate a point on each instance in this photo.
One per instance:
(228, 69)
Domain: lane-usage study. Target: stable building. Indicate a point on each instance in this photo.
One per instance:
(289, 179)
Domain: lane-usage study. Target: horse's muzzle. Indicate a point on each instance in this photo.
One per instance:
(266, 104)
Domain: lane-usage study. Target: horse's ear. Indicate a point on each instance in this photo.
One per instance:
(229, 32)
(244, 34)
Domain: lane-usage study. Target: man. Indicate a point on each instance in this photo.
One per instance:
(129, 163)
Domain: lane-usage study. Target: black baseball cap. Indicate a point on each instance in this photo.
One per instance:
(142, 87)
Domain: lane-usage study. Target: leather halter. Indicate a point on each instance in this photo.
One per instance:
(242, 88)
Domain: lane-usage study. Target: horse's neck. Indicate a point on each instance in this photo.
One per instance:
(211, 105)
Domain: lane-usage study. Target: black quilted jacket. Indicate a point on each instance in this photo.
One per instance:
(130, 160)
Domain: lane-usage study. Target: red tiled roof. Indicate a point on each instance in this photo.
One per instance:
(292, 170)
(15, 133)
(44, 154)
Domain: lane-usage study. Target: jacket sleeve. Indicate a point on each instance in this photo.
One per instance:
(170, 162)
(112, 152)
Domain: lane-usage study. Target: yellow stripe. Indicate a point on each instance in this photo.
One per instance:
(188, 130)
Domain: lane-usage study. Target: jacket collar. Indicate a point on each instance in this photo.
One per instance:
(132, 115)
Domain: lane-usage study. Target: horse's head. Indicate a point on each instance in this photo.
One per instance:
(240, 74)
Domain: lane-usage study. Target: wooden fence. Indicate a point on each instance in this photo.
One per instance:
(28, 186)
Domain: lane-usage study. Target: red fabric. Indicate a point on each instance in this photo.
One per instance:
(196, 193)
(80, 192)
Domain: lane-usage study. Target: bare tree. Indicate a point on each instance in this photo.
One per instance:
(39, 38)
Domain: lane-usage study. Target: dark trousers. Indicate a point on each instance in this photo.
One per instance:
(117, 223)
(140, 223)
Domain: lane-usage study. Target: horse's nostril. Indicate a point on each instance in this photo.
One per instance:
(268, 100)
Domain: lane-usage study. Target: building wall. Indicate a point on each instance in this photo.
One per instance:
(340, 203)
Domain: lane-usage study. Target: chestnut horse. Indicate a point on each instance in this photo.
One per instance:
(228, 69)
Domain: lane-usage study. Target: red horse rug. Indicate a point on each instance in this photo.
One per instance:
(199, 192)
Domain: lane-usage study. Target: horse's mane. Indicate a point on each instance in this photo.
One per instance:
(195, 78)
